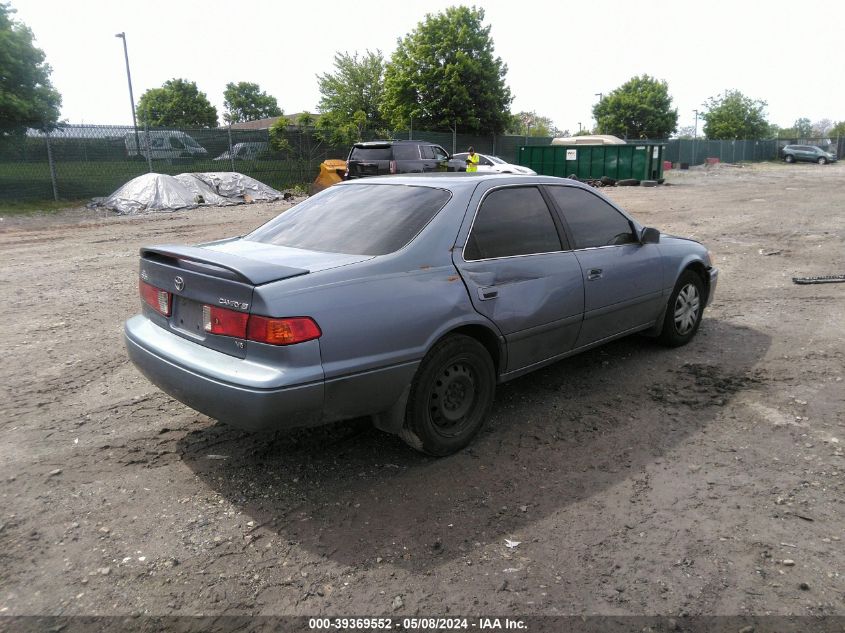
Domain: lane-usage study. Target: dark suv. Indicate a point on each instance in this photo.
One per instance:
(378, 158)
(810, 153)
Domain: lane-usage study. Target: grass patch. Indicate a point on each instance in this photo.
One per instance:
(8, 207)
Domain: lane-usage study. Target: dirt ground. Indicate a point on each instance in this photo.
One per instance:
(637, 480)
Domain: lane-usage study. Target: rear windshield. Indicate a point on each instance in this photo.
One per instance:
(355, 219)
(371, 153)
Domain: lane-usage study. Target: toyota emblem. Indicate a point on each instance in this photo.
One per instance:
(179, 283)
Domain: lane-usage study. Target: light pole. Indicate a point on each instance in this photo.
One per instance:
(131, 97)
(579, 127)
(694, 136)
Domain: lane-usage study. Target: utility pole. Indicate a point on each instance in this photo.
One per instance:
(131, 96)
(694, 138)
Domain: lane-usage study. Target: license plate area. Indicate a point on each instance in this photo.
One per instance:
(187, 317)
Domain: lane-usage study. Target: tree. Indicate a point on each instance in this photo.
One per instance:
(278, 134)
(687, 132)
(305, 119)
(531, 124)
(837, 130)
(27, 98)
(639, 108)
(245, 101)
(444, 75)
(356, 86)
(732, 115)
(178, 103)
(803, 128)
(821, 128)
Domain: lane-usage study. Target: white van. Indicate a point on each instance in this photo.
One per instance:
(246, 151)
(157, 144)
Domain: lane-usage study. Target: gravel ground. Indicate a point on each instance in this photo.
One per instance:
(637, 480)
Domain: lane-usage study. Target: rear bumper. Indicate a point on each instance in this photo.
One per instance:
(239, 392)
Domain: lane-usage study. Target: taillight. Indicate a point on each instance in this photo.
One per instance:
(224, 322)
(158, 299)
(285, 331)
(393, 167)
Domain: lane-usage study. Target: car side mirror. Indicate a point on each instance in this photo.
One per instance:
(649, 236)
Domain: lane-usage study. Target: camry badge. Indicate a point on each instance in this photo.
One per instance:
(179, 283)
(231, 303)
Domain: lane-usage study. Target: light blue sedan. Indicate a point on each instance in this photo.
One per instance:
(407, 299)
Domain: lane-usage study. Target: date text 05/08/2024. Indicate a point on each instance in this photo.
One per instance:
(412, 624)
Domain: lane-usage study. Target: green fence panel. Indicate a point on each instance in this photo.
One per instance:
(94, 160)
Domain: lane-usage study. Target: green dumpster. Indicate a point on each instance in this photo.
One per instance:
(643, 161)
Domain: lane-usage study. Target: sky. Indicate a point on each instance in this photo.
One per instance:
(559, 54)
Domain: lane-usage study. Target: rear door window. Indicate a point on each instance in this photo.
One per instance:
(371, 153)
(591, 221)
(355, 219)
(427, 152)
(512, 221)
(406, 152)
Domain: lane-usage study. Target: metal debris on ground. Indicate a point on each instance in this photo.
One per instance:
(824, 279)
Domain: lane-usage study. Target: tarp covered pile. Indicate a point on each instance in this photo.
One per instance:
(160, 192)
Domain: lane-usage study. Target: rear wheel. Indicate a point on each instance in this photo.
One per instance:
(451, 396)
(789, 158)
(822, 160)
(684, 312)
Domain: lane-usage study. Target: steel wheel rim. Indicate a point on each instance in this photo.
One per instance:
(686, 309)
(453, 397)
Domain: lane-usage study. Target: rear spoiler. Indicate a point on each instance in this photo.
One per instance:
(248, 270)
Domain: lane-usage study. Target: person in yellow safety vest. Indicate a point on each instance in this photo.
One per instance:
(472, 161)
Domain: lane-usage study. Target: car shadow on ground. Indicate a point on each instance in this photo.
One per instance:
(556, 437)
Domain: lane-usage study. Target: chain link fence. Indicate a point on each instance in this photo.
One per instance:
(697, 151)
(78, 162)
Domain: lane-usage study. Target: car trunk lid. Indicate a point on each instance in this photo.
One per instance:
(204, 280)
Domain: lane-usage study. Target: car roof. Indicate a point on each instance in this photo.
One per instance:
(388, 142)
(461, 180)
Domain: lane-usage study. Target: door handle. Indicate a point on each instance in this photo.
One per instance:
(485, 294)
(595, 273)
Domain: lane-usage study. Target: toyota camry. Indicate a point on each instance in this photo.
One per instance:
(407, 299)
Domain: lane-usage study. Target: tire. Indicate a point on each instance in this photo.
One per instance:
(822, 160)
(608, 181)
(789, 158)
(573, 177)
(648, 183)
(451, 396)
(684, 310)
(628, 182)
